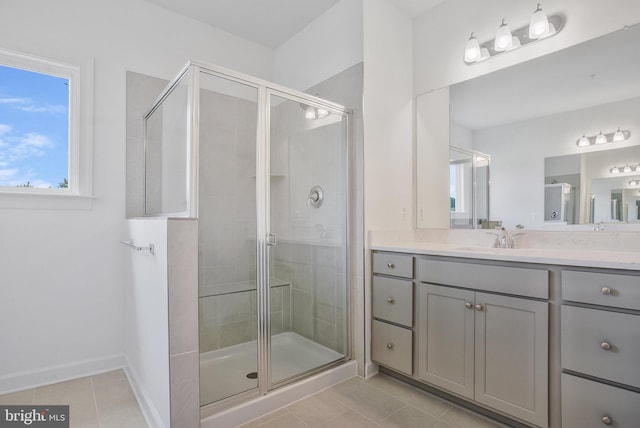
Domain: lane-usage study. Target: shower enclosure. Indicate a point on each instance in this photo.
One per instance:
(265, 170)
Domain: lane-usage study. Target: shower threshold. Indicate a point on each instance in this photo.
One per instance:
(225, 372)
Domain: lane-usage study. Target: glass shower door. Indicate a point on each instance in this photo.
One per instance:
(307, 216)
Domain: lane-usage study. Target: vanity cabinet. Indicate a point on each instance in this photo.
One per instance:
(600, 349)
(392, 311)
(490, 348)
(474, 330)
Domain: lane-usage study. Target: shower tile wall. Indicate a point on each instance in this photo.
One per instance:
(318, 296)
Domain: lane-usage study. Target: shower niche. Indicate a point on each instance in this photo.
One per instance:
(240, 155)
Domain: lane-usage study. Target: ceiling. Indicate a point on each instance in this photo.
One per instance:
(269, 22)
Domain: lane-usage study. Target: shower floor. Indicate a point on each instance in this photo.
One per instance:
(223, 372)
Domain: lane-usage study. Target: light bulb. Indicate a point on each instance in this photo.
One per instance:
(322, 113)
(310, 113)
(627, 168)
(583, 141)
(539, 24)
(618, 136)
(472, 50)
(601, 138)
(614, 170)
(504, 38)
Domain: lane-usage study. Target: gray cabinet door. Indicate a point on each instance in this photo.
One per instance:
(511, 350)
(445, 338)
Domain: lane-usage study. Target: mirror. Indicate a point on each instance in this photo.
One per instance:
(468, 188)
(529, 118)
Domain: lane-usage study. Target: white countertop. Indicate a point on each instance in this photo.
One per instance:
(567, 251)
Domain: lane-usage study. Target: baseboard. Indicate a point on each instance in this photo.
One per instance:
(54, 374)
(149, 411)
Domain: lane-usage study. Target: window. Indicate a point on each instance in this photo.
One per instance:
(42, 139)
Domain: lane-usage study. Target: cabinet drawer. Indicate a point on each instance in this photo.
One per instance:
(500, 279)
(393, 300)
(586, 403)
(607, 289)
(586, 333)
(393, 264)
(391, 346)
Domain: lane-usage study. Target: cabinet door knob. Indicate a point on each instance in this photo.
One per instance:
(468, 305)
(479, 307)
(606, 290)
(607, 420)
(390, 300)
(605, 345)
(391, 266)
(389, 345)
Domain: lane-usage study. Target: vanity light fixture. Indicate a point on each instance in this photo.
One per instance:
(601, 138)
(539, 24)
(504, 39)
(540, 27)
(626, 169)
(619, 136)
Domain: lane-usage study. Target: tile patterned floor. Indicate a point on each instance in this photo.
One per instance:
(101, 401)
(377, 402)
(107, 401)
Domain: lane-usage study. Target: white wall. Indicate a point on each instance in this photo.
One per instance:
(388, 135)
(388, 110)
(328, 45)
(440, 34)
(63, 271)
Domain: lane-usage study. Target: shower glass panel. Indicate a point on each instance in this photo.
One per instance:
(166, 153)
(308, 206)
(227, 237)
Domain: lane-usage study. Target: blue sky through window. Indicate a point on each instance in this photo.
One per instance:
(34, 128)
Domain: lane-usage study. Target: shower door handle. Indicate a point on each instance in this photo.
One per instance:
(271, 239)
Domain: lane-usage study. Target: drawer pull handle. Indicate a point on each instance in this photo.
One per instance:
(606, 290)
(389, 345)
(391, 266)
(605, 345)
(607, 420)
(390, 300)
(479, 307)
(468, 305)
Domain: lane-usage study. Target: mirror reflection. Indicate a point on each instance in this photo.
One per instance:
(529, 118)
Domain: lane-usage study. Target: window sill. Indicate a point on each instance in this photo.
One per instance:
(45, 201)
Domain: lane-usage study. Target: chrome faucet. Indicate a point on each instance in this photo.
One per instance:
(503, 239)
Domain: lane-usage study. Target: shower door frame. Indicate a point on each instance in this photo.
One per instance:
(263, 227)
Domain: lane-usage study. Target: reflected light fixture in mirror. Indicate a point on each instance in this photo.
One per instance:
(635, 182)
(540, 27)
(601, 138)
(626, 169)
